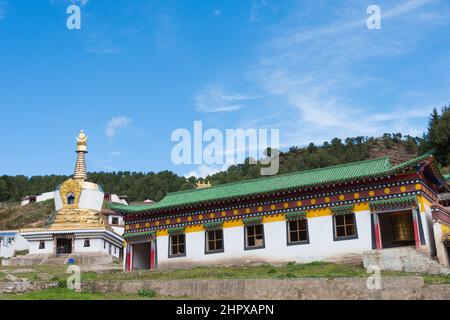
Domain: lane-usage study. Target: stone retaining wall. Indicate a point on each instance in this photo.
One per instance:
(404, 288)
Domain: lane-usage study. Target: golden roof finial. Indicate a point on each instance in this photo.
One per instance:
(80, 166)
(82, 142)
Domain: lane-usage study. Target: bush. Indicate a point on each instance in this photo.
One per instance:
(272, 271)
(147, 293)
(287, 275)
(62, 283)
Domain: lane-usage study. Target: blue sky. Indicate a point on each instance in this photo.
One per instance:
(138, 70)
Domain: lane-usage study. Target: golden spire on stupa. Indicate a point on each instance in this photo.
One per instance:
(80, 167)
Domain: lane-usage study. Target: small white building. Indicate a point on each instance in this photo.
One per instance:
(115, 221)
(37, 199)
(12, 242)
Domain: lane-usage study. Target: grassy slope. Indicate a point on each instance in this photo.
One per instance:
(35, 215)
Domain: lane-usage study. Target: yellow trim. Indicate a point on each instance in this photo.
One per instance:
(422, 202)
(274, 218)
(445, 229)
(161, 233)
(195, 228)
(361, 207)
(319, 213)
(233, 223)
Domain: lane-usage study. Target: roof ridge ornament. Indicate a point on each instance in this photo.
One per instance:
(80, 172)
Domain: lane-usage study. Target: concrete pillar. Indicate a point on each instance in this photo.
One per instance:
(441, 250)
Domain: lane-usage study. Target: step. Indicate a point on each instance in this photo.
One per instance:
(404, 259)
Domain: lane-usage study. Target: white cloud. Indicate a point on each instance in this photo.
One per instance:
(214, 99)
(116, 124)
(217, 12)
(316, 75)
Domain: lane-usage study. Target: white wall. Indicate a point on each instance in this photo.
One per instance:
(34, 247)
(427, 224)
(96, 245)
(45, 196)
(321, 246)
(118, 230)
(58, 200)
(115, 198)
(441, 250)
(91, 199)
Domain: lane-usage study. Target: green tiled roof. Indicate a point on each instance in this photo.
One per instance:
(140, 234)
(447, 177)
(296, 215)
(252, 221)
(211, 226)
(342, 210)
(398, 202)
(303, 179)
(176, 231)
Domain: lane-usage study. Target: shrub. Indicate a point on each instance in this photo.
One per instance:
(147, 293)
(287, 275)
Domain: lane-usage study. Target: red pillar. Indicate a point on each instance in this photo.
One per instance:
(152, 254)
(416, 228)
(128, 263)
(378, 242)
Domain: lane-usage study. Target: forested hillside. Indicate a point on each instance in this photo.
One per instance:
(140, 186)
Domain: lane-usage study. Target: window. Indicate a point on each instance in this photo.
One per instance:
(115, 221)
(345, 226)
(70, 199)
(42, 245)
(298, 232)
(214, 241)
(115, 249)
(254, 237)
(10, 240)
(104, 244)
(177, 245)
(87, 243)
